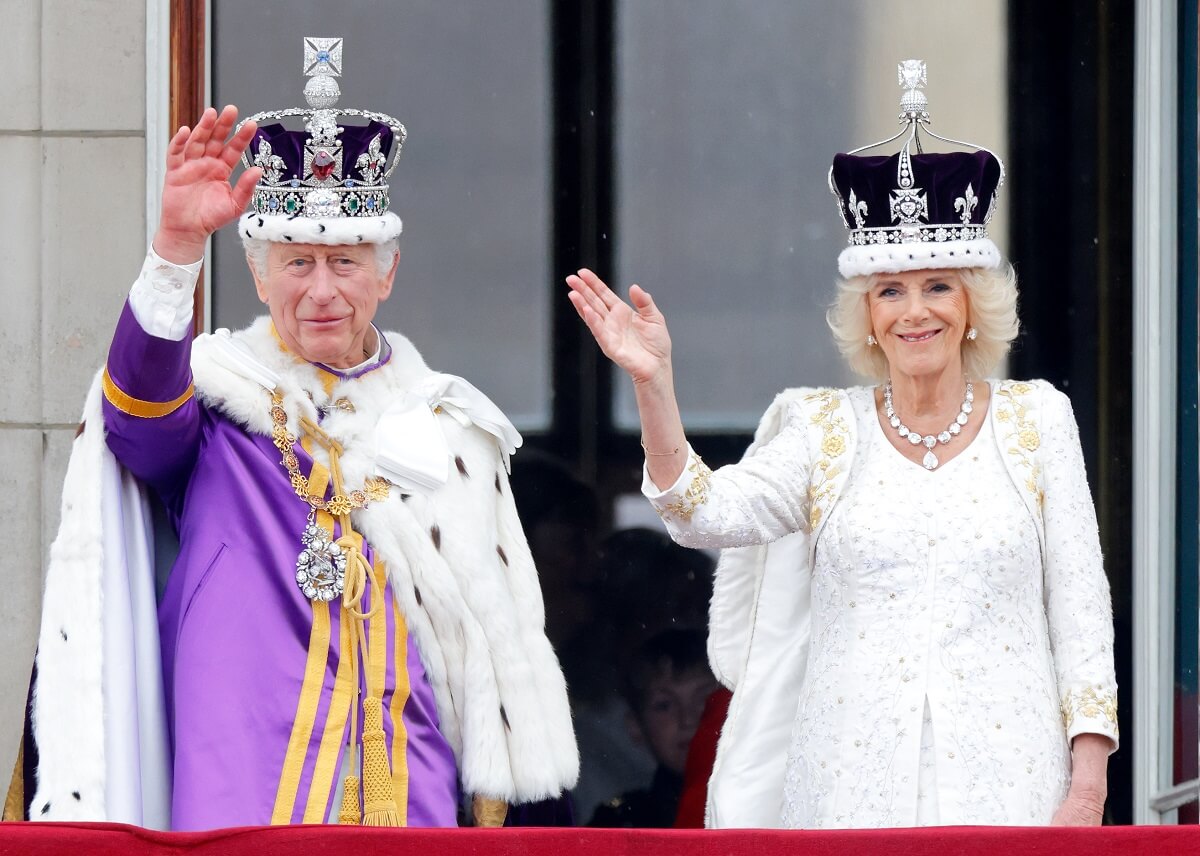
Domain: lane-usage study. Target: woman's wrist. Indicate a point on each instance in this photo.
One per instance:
(1097, 785)
(1089, 765)
(661, 383)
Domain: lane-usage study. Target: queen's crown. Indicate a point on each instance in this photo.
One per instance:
(915, 209)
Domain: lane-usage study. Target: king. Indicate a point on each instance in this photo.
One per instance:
(352, 628)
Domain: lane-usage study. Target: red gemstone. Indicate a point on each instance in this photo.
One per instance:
(322, 165)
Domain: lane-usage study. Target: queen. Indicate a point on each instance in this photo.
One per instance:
(910, 607)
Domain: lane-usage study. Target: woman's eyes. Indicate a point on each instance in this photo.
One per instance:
(933, 288)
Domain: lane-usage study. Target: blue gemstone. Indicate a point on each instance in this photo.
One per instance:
(322, 56)
(295, 182)
(370, 203)
(273, 204)
(349, 182)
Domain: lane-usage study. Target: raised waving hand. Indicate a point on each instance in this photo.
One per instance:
(634, 336)
(197, 198)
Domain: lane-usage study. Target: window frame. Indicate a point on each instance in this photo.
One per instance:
(1156, 398)
(582, 431)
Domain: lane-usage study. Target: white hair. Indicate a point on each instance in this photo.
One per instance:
(991, 308)
(258, 248)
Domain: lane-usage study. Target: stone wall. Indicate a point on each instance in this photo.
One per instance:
(72, 230)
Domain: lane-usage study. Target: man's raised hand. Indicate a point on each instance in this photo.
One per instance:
(197, 198)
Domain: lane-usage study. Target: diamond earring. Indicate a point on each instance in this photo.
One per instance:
(870, 341)
(972, 335)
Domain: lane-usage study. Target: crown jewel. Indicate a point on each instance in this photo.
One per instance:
(911, 75)
(331, 169)
(925, 200)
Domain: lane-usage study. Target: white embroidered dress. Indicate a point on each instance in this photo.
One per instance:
(943, 657)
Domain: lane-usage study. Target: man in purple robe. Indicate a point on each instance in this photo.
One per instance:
(353, 629)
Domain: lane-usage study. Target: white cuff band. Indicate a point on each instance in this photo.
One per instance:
(161, 297)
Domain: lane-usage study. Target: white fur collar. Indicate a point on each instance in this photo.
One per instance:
(236, 372)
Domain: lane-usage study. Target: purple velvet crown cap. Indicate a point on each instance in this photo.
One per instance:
(943, 177)
(916, 212)
(355, 140)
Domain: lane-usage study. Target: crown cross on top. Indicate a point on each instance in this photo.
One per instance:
(322, 57)
(337, 167)
(911, 76)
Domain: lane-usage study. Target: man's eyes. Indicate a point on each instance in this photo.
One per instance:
(335, 262)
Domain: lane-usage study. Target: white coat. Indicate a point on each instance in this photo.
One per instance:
(768, 512)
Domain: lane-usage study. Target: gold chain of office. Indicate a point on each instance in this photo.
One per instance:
(373, 490)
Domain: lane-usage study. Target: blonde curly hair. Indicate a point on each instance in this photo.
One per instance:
(992, 311)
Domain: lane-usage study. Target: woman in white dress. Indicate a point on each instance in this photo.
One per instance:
(912, 612)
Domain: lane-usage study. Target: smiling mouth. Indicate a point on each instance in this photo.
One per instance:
(919, 337)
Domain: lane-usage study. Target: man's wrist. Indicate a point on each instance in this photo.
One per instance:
(178, 250)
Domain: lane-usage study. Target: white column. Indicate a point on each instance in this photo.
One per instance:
(73, 122)
(1155, 261)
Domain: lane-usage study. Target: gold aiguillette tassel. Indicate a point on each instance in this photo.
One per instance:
(379, 798)
(351, 813)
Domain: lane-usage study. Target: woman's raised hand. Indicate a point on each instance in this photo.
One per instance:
(634, 337)
(197, 198)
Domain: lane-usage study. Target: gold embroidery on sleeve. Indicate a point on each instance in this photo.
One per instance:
(697, 491)
(1090, 703)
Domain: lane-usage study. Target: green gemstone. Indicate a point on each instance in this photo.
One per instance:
(291, 204)
(352, 204)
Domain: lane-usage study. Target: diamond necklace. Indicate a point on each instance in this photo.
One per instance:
(930, 460)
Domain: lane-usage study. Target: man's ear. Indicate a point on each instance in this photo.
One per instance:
(259, 285)
(389, 279)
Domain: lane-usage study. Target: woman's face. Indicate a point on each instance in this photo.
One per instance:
(919, 319)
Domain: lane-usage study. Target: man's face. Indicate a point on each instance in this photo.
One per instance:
(322, 299)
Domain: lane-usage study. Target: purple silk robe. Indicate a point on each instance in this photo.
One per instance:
(258, 693)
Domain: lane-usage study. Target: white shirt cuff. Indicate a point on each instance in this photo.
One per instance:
(161, 297)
